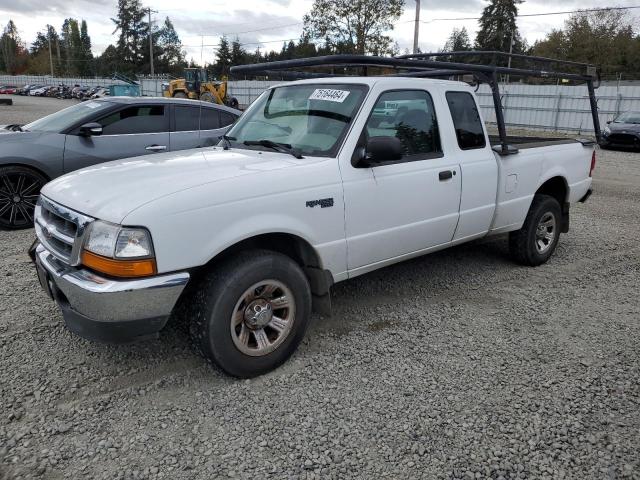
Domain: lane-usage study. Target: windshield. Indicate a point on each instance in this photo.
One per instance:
(312, 118)
(59, 121)
(628, 117)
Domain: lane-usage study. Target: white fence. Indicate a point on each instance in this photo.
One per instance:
(20, 80)
(558, 108)
(549, 107)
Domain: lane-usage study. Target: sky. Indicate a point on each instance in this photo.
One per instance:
(267, 23)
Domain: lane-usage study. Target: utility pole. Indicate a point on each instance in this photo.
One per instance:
(50, 55)
(510, 52)
(150, 41)
(416, 30)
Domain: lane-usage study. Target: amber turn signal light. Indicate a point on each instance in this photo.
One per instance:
(119, 268)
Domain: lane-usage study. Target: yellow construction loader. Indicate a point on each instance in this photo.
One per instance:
(197, 86)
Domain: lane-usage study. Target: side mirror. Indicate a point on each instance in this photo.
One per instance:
(609, 121)
(381, 149)
(91, 129)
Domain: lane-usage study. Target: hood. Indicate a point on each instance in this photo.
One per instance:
(109, 191)
(9, 135)
(617, 127)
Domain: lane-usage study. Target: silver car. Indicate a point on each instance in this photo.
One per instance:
(94, 132)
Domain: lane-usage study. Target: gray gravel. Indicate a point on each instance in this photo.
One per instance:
(456, 365)
(27, 109)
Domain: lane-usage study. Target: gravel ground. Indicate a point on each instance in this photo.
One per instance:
(27, 109)
(459, 364)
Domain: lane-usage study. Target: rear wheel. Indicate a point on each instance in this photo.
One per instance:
(538, 238)
(180, 95)
(233, 103)
(250, 313)
(19, 191)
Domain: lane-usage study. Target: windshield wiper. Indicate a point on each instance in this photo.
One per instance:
(227, 141)
(279, 147)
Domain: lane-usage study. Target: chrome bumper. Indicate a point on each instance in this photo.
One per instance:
(104, 309)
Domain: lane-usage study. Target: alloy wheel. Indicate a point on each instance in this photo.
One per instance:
(19, 193)
(263, 318)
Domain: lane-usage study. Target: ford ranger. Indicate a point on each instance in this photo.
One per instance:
(320, 181)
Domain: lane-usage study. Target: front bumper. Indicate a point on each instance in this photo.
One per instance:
(107, 310)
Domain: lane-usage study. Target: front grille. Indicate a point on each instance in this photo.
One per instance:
(60, 230)
(622, 139)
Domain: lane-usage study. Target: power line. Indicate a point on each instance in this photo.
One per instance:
(586, 10)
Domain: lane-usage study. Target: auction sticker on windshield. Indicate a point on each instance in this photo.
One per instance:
(329, 94)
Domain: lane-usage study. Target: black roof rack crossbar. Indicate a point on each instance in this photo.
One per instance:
(495, 53)
(394, 62)
(421, 65)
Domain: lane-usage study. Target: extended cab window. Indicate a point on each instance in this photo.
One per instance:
(138, 119)
(187, 119)
(409, 116)
(466, 120)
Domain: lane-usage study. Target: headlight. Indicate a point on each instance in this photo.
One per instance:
(607, 130)
(119, 251)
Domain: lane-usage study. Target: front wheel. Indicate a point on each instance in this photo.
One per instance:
(538, 238)
(19, 191)
(207, 97)
(180, 95)
(250, 313)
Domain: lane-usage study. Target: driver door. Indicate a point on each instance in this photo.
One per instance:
(399, 208)
(131, 131)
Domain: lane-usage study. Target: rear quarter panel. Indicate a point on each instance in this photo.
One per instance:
(522, 174)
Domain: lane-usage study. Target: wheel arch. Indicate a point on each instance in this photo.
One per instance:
(29, 165)
(291, 245)
(558, 188)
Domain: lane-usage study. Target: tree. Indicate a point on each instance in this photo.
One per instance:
(498, 27)
(172, 55)
(238, 54)
(604, 38)
(223, 58)
(458, 41)
(353, 26)
(13, 54)
(85, 58)
(133, 31)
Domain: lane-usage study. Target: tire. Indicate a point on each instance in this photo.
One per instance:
(536, 241)
(233, 103)
(180, 95)
(19, 191)
(207, 97)
(228, 310)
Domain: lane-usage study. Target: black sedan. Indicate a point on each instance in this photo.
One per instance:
(623, 131)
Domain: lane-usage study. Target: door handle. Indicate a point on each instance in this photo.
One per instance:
(446, 175)
(156, 148)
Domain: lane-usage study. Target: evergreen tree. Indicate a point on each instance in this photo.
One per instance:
(13, 54)
(133, 31)
(172, 55)
(458, 41)
(238, 54)
(223, 57)
(86, 57)
(498, 27)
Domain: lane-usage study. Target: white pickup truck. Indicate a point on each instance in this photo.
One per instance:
(319, 181)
